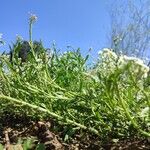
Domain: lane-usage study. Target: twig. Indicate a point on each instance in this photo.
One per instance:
(7, 141)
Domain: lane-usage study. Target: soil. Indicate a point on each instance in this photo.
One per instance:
(51, 135)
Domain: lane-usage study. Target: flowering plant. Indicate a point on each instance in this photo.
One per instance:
(110, 61)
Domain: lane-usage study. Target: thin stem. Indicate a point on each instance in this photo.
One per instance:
(47, 111)
(30, 31)
(129, 117)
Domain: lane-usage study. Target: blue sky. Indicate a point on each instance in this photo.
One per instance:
(79, 23)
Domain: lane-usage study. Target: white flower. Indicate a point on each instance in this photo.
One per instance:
(110, 61)
(39, 60)
(137, 65)
(107, 60)
(33, 18)
(108, 54)
(144, 112)
(19, 38)
(100, 52)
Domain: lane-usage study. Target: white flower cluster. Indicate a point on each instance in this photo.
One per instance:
(109, 60)
(108, 53)
(137, 65)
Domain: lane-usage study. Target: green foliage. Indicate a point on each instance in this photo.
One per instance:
(25, 145)
(108, 100)
(1, 147)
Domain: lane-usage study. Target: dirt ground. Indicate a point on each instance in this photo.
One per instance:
(13, 129)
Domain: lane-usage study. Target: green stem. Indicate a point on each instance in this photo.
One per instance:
(144, 92)
(129, 116)
(50, 113)
(30, 32)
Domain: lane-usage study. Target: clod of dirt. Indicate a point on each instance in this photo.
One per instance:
(48, 138)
